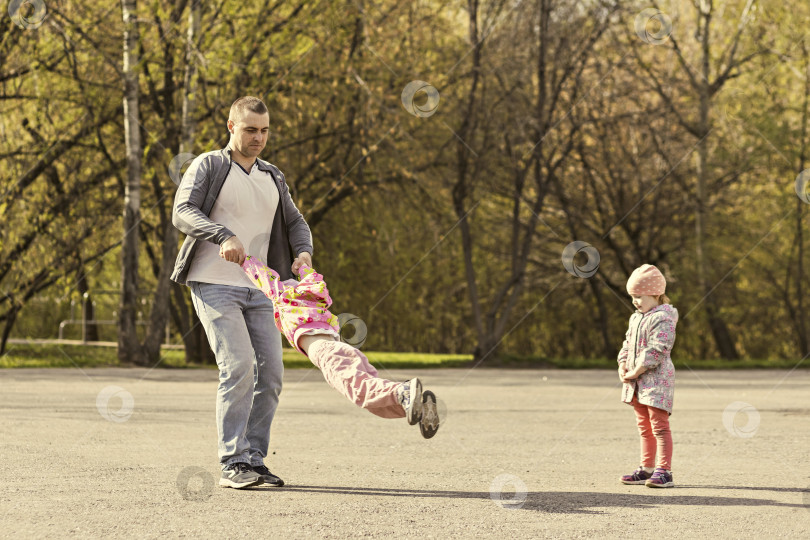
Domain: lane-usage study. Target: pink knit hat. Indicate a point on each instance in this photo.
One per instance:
(646, 280)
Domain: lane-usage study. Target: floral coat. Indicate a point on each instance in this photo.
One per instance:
(299, 306)
(649, 342)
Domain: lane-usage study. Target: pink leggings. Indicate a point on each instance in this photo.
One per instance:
(348, 371)
(653, 426)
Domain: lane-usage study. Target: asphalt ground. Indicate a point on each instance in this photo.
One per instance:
(131, 453)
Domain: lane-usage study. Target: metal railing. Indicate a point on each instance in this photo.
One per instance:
(84, 322)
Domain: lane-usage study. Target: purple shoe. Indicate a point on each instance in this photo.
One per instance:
(637, 478)
(661, 478)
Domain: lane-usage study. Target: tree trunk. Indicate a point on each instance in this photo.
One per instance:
(720, 331)
(11, 318)
(161, 305)
(194, 339)
(129, 348)
(187, 125)
(804, 338)
(608, 347)
(90, 330)
(461, 191)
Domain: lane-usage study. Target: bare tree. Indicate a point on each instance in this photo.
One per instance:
(129, 347)
(705, 82)
(795, 303)
(186, 320)
(536, 150)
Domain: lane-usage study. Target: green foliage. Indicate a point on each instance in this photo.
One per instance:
(70, 356)
(82, 356)
(376, 183)
(78, 356)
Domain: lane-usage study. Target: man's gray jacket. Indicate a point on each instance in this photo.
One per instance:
(195, 199)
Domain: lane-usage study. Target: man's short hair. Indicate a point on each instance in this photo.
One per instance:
(244, 104)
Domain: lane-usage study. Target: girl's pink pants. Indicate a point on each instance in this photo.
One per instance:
(348, 371)
(656, 438)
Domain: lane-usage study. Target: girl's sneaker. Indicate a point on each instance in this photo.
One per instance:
(640, 476)
(429, 424)
(410, 397)
(661, 478)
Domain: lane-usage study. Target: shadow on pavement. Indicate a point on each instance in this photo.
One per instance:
(568, 502)
(753, 488)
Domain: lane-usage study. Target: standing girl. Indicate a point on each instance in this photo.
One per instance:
(646, 369)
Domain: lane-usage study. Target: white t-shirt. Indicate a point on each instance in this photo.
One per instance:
(246, 205)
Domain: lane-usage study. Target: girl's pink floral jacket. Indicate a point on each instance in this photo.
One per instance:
(648, 342)
(299, 305)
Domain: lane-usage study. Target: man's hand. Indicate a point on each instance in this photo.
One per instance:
(232, 250)
(303, 258)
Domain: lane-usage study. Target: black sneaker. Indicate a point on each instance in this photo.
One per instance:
(268, 477)
(429, 423)
(238, 476)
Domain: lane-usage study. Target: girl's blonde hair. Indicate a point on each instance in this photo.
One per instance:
(664, 299)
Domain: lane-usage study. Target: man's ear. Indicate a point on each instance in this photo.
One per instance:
(230, 125)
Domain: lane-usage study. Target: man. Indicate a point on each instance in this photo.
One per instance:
(227, 200)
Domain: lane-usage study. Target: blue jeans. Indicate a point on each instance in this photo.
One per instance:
(239, 324)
